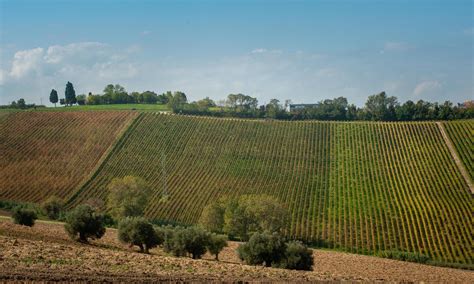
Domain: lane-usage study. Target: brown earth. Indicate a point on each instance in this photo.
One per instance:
(45, 253)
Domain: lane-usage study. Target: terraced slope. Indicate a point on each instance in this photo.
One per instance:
(358, 186)
(46, 153)
(461, 133)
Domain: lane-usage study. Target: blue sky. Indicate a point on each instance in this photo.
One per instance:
(305, 51)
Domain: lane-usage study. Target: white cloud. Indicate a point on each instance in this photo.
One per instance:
(426, 87)
(89, 65)
(145, 32)
(26, 61)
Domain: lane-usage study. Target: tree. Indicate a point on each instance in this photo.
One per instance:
(127, 197)
(206, 103)
(380, 107)
(52, 207)
(83, 223)
(139, 232)
(273, 108)
(21, 103)
(81, 99)
(297, 256)
(212, 217)
(216, 244)
(53, 97)
(24, 216)
(254, 213)
(70, 94)
(177, 100)
(263, 248)
(195, 240)
(149, 97)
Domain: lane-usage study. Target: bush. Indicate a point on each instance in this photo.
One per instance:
(24, 216)
(83, 223)
(216, 244)
(52, 207)
(168, 236)
(263, 248)
(139, 232)
(297, 256)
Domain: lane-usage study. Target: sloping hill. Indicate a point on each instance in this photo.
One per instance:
(358, 186)
(46, 153)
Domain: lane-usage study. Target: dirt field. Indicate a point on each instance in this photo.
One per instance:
(44, 253)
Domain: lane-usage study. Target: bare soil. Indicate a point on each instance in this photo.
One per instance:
(45, 253)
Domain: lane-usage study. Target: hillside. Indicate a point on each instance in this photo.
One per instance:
(358, 186)
(44, 154)
(44, 253)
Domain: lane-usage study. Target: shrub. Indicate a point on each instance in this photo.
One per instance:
(24, 216)
(52, 207)
(216, 244)
(83, 223)
(263, 248)
(297, 256)
(168, 233)
(139, 232)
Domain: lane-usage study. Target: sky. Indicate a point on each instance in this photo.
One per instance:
(305, 51)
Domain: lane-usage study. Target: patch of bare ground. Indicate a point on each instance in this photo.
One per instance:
(45, 253)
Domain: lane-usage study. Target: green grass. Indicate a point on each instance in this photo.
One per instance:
(352, 186)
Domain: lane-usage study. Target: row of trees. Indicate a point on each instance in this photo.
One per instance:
(378, 107)
(260, 220)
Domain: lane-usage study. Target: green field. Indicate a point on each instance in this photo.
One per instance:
(356, 186)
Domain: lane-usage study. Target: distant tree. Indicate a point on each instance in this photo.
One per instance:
(139, 232)
(52, 207)
(53, 97)
(21, 104)
(24, 216)
(206, 103)
(273, 108)
(70, 94)
(127, 197)
(84, 223)
(62, 102)
(177, 100)
(381, 107)
(149, 97)
(81, 99)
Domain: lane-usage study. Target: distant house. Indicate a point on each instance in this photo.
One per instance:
(295, 107)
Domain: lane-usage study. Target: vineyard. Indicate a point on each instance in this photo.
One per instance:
(44, 154)
(356, 186)
(462, 135)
